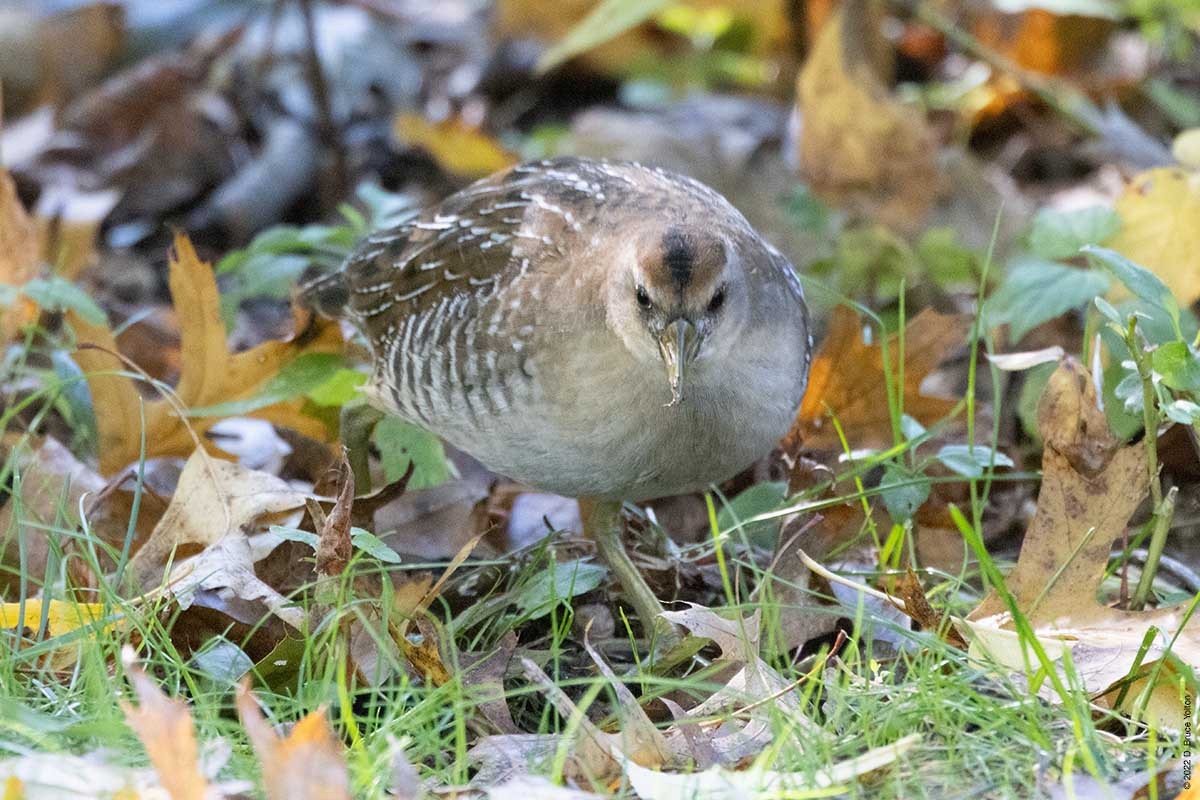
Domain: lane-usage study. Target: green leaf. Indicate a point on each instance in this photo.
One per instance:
(757, 499)
(298, 377)
(373, 546)
(1185, 412)
(1035, 291)
(1060, 234)
(1142, 282)
(903, 491)
(607, 21)
(400, 443)
(58, 294)
(549, 587)
(1178, 365)
(338, 389)
(296, 535)
(971, 461)
(947, 261)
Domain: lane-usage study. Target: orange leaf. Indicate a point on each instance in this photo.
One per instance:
(307, 764)
(847, 381)
(19, 260)
(209, 375)
(165, 727)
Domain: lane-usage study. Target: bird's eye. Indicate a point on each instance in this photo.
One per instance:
(717, 301)
(643, 297)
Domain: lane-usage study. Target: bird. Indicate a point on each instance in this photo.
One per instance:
(597, 329)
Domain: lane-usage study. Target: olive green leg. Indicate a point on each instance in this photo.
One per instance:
(358, 421)
(602, 523)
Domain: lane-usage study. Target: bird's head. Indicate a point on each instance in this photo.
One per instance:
(677, 296)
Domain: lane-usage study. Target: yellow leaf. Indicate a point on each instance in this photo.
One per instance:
(456, 146)
(859, 148)
(209, 375)
(62, 616)
(165, 727)
(1160, 227)
(1186, 148)
(14, 789)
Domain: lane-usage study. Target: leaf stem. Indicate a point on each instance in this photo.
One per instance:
(1163, 509)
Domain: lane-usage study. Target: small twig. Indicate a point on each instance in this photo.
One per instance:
(833, 577)
(326, 127)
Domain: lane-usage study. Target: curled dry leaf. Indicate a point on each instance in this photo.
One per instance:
(1091, 484)
(307, 764)
(210, 373)
(847, 381)
(334, 548)
(213, 532)
(858, 146)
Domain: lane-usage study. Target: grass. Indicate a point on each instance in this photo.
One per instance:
(980, 734)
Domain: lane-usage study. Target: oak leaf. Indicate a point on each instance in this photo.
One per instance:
(847, 381)
(1091, 485)
(210, 374)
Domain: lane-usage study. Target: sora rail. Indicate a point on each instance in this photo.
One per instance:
(601, 330)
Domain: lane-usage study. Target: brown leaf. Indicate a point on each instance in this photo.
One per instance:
(334, 548)
(307, 764)
(858, 146)
(210, 374)
(908, 588)
(847, 381)
(165, 727)
(1089, 490)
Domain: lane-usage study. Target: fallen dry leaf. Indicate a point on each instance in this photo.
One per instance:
(61, 617)
(456, 146)
(847, 381)
(307, 764)
(860, 148)
(213, 532)
(165, 727)
(1091, 484)
(1160, 228)
(210, 374)
(19, 257)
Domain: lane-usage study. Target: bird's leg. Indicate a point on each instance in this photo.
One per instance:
(603, 524)
(357, 422)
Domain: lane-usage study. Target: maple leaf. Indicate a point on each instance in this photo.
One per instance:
(210, 374)
(847, 381)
